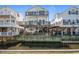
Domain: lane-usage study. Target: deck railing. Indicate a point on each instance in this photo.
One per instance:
(9, 33)
(7, 24)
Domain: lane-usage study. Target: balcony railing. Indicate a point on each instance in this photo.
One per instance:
(5, 13)
(6, 24)
(9, 33)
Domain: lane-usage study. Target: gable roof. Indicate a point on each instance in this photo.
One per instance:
(36, 8)
(8, 10)
(68, 10)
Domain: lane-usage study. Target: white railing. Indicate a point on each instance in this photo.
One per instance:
(69, 25)
(5, 13)
(5, 24)
(9, 33)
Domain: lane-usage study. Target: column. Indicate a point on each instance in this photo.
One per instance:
(10, 19)
(10, 23)
(61, 33)
(71, 32)
(15, 31)
(53, 33)
(76, 31)
(7, 31)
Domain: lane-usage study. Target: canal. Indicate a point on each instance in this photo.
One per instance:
(39, 42)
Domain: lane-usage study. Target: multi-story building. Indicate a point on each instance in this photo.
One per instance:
(36, 18)
(9, 27)
(66, 22)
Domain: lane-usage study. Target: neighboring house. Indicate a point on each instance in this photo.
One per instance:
(22, 25)
(9, 27)
(36, 18)
(67, 22)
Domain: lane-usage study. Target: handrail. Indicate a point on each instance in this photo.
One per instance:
(8, 33)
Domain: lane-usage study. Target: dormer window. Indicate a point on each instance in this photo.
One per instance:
(73, 12)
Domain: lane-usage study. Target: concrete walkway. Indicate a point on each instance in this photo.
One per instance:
(41, 51)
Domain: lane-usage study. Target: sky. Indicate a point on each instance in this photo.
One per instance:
(53, 9)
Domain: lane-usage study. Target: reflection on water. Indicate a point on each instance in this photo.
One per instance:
(40, 42)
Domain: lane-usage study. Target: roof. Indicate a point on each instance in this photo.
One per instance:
(8, 10)
(37, 8)
(67, 10)
(57, 20)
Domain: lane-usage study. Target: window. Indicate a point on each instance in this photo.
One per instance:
(40, 22)
(26, 13)
(77, 12)
(73, 22)
(44, 21)
(69, 20)
(7, 20)
(1, 21)
(47, 13)
(65, 22)
(34, 13)
(73, 12)
(30, 23)
(30, 13)
(12, 21)
(69, 12)
(77, 20)
(41, 12)
(48, 22)
(35, 22)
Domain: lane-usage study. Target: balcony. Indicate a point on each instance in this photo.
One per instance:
(69, 25)
(9, 33)
(7, 13)
(7, 24)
